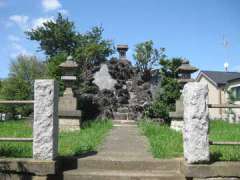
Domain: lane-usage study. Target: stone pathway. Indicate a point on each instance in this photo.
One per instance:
(124, 155)
(125, 141)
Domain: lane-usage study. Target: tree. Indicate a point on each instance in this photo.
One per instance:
(53, 69)
(60, 37)
(15, 89)
(55, 37)
(147, 57)
(169, 91)
(19, 84)
(92, 48)
(27, 68)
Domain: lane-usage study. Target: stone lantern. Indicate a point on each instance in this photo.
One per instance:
(69, 116)
(69, 68)
(185, 71)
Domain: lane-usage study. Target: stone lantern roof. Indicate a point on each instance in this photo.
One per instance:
(122, 50)
(69, 63)
(186, 67)
(185, 71)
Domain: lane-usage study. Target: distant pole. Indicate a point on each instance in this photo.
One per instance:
(226, 45)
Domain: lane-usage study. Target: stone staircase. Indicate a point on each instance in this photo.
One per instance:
(121, 118)
(105, 168)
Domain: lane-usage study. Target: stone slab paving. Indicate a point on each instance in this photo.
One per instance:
(125, 141)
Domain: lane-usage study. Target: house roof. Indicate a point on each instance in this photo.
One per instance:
(220, 78)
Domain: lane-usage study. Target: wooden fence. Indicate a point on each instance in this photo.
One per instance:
(15, 139)
(223, 106)
(45, 123)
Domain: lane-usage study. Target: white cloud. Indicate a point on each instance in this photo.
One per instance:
(50, 5)
(20, 20)
(39, 21)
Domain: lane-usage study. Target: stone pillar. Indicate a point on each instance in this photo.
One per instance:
(45, 125)
(196, 123)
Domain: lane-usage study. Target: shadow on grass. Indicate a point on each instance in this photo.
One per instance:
(215, 156)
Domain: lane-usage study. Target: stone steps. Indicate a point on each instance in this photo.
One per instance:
(128, 163)
(85, 174)
(124, 125)
(123, 110)
(124, 122)
(120, 116)
(125, 168)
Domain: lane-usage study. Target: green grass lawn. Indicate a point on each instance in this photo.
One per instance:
(164, 142)
(70, 143)
(224, 131)
(167, 143)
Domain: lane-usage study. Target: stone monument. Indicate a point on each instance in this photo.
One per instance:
(69, 116)
(185, 71)
(196, 123)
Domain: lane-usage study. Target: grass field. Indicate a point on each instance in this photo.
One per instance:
(70, 143)
(167, 143)
(164, 142)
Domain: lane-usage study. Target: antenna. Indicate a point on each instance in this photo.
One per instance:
(226, 45)
(225, 42)
(226, 65)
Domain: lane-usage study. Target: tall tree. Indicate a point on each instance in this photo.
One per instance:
(27, 68)
(93, 48)
(19, 84)
(59, 38)
(169, 90)
(147, 57)
(55, 37)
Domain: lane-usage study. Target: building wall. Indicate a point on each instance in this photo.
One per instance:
(213, 98)
(236, 111)
(219, 95)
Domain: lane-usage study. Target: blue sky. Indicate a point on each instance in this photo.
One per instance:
(193, 29)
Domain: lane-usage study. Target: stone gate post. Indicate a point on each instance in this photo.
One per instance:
(45, 125)
(196, 123)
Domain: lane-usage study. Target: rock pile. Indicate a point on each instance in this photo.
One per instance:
(116, 86)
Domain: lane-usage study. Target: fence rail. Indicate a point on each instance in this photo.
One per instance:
(223, 106)
(6, 139)
(16, 139)
(45, 122)
(223, 143)
(16, 102)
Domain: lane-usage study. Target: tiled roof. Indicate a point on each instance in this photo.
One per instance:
(221, 77)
